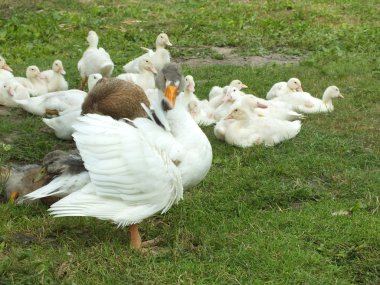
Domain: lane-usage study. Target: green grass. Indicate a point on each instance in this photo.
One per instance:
(262, 215)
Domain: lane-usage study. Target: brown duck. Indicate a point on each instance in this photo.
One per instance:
(116, 98)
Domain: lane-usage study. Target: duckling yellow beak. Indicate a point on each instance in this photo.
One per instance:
(153, 69)
(341, 96)
(261, 105)
(229, 117)
(40, 175)
(13, 197)
(171, 94)
(62, 71)
(7, 67)
(299, 89)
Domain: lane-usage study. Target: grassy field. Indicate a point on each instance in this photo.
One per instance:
(262, 215)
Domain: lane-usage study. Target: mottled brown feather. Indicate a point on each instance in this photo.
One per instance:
(116, 98)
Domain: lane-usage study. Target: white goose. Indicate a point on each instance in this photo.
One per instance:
(159, 57)
(145, 77)
(246, 130)
(216, 94)
(137, 169)
(305, 103)
(63, 124)
(281, 88)
(55, 77)
(35, 81)
(5, 70)
(94, 60)
(201, 112)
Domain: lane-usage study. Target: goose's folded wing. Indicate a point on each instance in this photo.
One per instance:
(124, 165)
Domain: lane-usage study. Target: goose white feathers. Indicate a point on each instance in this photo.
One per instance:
(144, 180)
(159, 57)
(5, 70)
(35, 81)
(145, 77)
(281, 88)
(305, 103)
(55, 77)
(94, 60)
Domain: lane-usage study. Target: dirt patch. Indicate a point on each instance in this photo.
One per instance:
(226, 56)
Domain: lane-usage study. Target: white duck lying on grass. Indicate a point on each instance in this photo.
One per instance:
(145, 77)
(35, 81)
(12, 90)
(284, 88)
(137, 168)
(55, 77)
(201, 112)
(159, 57)
(5, 70)
(217, 93)
(305, 103)
(55, 102)
(268, 109)
(62, 124)
(244, 128)
(94, 60)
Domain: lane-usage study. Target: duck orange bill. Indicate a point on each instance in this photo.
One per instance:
(171, 94)
(14, 195)
(7, 67)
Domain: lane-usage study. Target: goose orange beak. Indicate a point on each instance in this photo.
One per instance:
(171, 94)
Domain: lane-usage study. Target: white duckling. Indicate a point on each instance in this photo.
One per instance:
(55, 77)
(219, 92)
(281, 88)
(201, 112)
(94, 60)
(145, 79)
(63, 123)
(159, 57)
(305, 103)
(247, 130)
(12, 90)
(53, 102)
(35, 81)
(5, 70)
(266, 108)
(228, 100)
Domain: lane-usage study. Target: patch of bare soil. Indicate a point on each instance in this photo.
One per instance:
(228, 57)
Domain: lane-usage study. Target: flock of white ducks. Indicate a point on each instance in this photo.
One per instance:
(134, 168)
